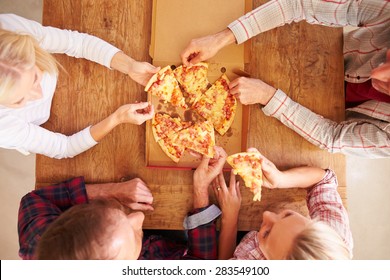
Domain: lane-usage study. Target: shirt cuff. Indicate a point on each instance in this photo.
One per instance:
(238, 31)
(277, 104)
(204, 217)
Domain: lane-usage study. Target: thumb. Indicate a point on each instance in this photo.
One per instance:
(205, 162)
(152, 69)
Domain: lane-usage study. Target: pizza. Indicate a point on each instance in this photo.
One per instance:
(164, 85)
(248, 166)
(218, 105)
(163, 127)
(193, 80)
(198, 137)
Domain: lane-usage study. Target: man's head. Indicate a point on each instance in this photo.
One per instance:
(96, 230)
(380, 76)
(289, 235)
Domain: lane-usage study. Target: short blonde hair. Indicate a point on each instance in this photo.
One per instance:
(82, 232)
(19, 53)
(318, 241)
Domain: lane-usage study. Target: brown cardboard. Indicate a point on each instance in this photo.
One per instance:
(174, 24)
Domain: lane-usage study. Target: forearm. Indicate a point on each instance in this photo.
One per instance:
(359, 136)
(300, 177)
(277, 13)
(224, 38)
(201, 197)
(101, 129)
(122, 62)
(227, 238)
(98, 190)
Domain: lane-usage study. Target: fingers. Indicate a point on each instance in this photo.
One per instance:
(253, 150)
(139, 106)
(204, 163)
(232, 184)
(141, 207)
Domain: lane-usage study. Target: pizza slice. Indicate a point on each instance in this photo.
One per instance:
(218, 105)
(163, 127)
(164, 85)
(248, 166)
(193, 79)
(198, 137)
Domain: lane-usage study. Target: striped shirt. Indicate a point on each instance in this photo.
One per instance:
(324, 204)
(364, 48)
(20, 128)
(366, 132)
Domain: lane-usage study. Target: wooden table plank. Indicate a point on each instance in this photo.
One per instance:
(305, 61)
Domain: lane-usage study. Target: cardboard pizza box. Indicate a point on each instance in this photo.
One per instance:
(174, 24)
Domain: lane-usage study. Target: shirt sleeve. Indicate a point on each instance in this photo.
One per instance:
(202, 240)
(325, 204)
(55, 40)
(16, 133)
(359, 137)
(277, 13)
(39, 208)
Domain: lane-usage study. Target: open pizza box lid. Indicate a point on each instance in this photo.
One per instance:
(174, 24)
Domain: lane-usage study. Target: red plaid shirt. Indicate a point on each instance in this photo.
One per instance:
(324, 204)
(39, 208)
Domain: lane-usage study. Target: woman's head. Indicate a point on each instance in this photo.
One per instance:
(22, 63)
(289, 235)
(96, 230)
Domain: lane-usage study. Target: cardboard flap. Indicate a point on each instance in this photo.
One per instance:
(176, 27)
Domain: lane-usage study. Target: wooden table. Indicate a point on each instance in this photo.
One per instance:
(303, 60)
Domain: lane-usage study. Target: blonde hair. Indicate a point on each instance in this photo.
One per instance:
(318, 241)
(19, 53)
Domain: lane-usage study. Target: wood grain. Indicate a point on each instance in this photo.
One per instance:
(303, 60)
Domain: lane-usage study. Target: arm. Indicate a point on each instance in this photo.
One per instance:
(229, 200)
(298, 177)
(325, 204)
(18, 134)
(80, 45)
(273, 14)
(200, 222)
(359, 137)
(39, 208)
(362, 137)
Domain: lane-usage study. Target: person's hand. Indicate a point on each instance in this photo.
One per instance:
(229, 199)
(141, 72)
(206, 172)
(251, 91)
(203, 48)
(136, 113)
(133, 193)
(380, 76)
(272, 176)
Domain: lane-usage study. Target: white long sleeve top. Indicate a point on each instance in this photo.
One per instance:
(20, 128)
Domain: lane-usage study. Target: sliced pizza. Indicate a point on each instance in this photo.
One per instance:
(163, 127)
(248, 166)
(218, 105)
(164, 85)
(198, 137)
(193, 79)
